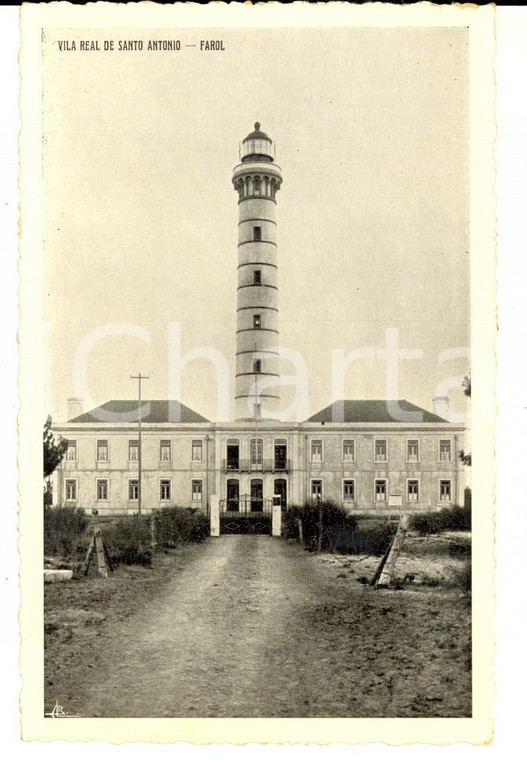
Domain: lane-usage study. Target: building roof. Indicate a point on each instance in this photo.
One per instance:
(372, 410)
(154, 411)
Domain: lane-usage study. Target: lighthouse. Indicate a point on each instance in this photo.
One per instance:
(257, 180)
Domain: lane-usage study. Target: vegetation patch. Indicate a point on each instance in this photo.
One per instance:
(174, 525)
(339, 531)
(127, 539)
(450, 518)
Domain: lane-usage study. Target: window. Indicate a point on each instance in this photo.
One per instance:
(257, 277)
(316, 451)
(348, 451)
(102, 490)
(197, 451)
(133, 451)
(316, 489)
(256, 451)
(257, 233)
(348, 490)
(412, 451)
(380, 490)
(257, 321)
(380, 451)
(280, 454)
(197, 490)
(102, 451)
(233, 454)
(412, 490)
(164, 490)
(257, 185)
(445, 490)
(133, 490)
(257, 366)
(71, 453)
(257, 495)
(445, 451)
(165, 451)
(71, 490)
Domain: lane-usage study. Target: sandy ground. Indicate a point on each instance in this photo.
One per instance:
(251, 626)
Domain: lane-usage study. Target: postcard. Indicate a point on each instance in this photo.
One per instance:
(257, 340)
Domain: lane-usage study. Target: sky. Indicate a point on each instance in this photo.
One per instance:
(140, 217)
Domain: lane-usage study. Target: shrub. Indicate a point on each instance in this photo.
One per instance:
(64, 531)
(461, 578)
(450, 518)
(174, 525)
(337, 525)
(341, 532)
(127, 540)
(373, 541)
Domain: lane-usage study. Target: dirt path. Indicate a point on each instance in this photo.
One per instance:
(256, 627)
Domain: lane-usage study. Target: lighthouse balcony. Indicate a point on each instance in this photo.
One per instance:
(264, 465)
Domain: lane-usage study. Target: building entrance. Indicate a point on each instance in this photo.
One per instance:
(245, 513)
(280, 489)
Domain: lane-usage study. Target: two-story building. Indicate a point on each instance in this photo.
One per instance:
(366, 461)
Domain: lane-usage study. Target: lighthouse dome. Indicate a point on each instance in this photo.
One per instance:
(257, 146)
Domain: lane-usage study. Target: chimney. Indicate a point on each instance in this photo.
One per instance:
(441, 407)
(74, 408)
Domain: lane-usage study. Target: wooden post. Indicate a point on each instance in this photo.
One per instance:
(389, 560)
(153, 542)
(320, 525)
(89, 554)
(101, 558)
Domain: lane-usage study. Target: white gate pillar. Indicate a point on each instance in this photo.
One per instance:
(276, 527)
(214, 515)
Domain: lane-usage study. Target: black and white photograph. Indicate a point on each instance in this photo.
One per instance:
(257, 272)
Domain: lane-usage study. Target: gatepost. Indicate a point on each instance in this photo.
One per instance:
(214, 515)
(276, 528)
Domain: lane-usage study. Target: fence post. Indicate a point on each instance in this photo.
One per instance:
(300, 530)
(388, 569)
(153, 542)
(320, 525)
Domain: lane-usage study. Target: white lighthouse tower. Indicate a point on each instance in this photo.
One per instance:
(257, 180)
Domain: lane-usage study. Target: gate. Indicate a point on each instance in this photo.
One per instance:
(249, 514)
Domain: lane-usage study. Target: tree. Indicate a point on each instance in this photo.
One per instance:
(467, 390)
(467, 385)
(54, 451)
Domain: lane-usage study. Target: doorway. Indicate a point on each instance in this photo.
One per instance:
(233, 495)
(280, 489)
(257, 495)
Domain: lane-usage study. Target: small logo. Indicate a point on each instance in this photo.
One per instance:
(58, 712)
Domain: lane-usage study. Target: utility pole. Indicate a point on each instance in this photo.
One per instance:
(139, 377)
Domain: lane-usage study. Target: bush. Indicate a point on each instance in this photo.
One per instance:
(127, 540)
(372, 541)
(175, 525)
(450, 518)
(337, 525)
(461, 578)
(64, 531)
(341, 532)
